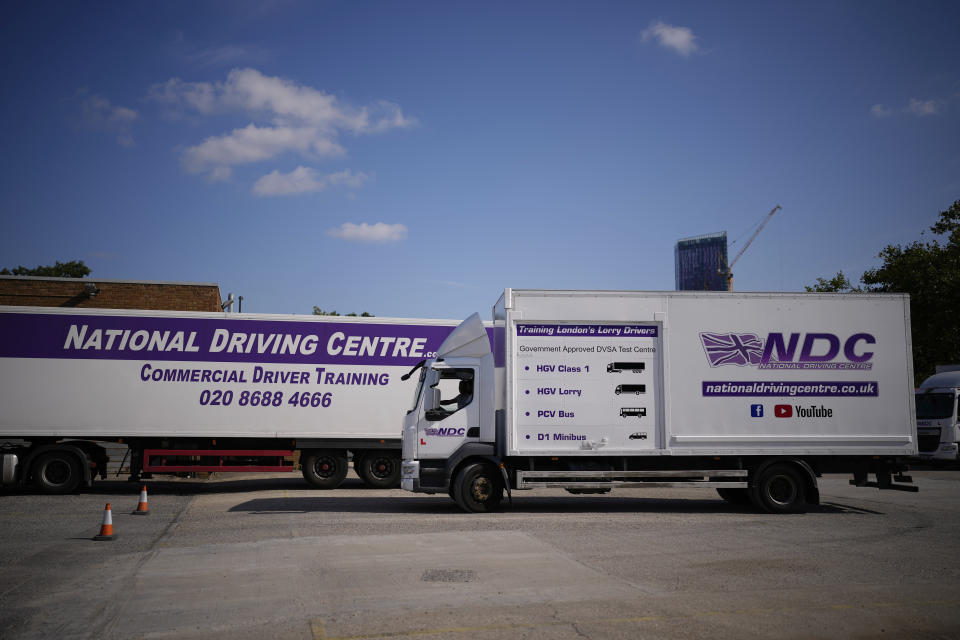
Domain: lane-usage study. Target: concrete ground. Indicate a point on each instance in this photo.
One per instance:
(268, 557)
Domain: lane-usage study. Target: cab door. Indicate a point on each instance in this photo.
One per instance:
(451, 413)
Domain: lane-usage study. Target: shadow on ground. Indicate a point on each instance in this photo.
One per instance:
(438, 505)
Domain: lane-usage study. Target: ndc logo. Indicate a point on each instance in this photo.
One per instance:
(783, 411)
(446, 432)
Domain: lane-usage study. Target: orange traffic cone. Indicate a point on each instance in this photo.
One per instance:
(142, 508)
(106, 529)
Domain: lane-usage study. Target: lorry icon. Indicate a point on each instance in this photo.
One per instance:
(639, 412)
(617, 367)
(631, 388)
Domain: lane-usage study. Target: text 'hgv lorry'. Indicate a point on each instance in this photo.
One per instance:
(755, 395)
(200, 392)
(938, 424)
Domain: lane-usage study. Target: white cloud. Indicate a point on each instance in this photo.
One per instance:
(922, 107)
(219, 174)
(102, 114)
(199, 96)
(305, 180)
(918, 108)
(255, 144)
(363, 232)
(679, 39)
(288, 117)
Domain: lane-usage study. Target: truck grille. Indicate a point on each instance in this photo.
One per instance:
(928, 442)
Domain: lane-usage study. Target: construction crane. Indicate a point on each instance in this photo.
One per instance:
(726, 270)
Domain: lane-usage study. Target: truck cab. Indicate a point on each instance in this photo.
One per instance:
(938, 431)
(452, 412)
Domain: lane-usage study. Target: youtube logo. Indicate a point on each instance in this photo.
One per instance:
(783, 411)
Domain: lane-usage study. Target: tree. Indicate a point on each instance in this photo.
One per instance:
(72, 269)
(317, 311)
(930, 273)
(838, 283)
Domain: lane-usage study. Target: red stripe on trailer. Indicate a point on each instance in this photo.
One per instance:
(163, 454)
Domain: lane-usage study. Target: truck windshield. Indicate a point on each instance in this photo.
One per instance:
(418, 391)
(934, 406)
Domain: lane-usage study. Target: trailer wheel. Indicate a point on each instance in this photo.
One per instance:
(57, 472)
(324, 469)
(738, 497)
(379, 469)
(779, 489)
(478, 488)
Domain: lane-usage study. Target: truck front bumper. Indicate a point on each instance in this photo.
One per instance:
(410, 476)
(946, 451)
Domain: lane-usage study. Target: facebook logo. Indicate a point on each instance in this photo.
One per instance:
(756, 410)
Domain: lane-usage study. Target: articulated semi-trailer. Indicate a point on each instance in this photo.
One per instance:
(754, 395)
(200, 392)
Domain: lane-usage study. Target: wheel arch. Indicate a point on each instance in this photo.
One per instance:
(78, 450)
(468, 454)
(806, 470)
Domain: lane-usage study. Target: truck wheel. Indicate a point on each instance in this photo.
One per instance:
(738, 497)
(379, 469)
(324, 469)
(478, 488)
(57, 472)
(779, 489)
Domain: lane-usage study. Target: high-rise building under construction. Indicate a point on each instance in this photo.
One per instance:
(700, 262)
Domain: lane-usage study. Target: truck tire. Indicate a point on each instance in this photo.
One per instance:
(324, 469)
(478, 488)
(379, 469)
(779, 489)
(738, 497)
(57, 472)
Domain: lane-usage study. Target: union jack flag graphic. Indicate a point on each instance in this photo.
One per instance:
(741, 349)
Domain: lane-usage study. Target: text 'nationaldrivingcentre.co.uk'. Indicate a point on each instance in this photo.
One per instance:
(768, 388)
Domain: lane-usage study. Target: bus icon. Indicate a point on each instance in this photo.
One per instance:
(639, 412)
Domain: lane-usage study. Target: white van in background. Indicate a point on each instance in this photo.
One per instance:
(937, 428)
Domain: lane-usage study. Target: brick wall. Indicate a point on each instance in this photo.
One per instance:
(111, 294)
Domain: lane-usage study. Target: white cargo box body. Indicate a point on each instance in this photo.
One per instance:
(686, 373)
(120, 373)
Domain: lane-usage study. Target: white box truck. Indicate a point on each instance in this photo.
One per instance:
(938, 424)
(755, 395)
(199, 392)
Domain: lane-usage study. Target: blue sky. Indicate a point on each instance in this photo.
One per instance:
(413, 159)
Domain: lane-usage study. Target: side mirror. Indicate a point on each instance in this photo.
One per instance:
(433, 399)
(432, 409)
